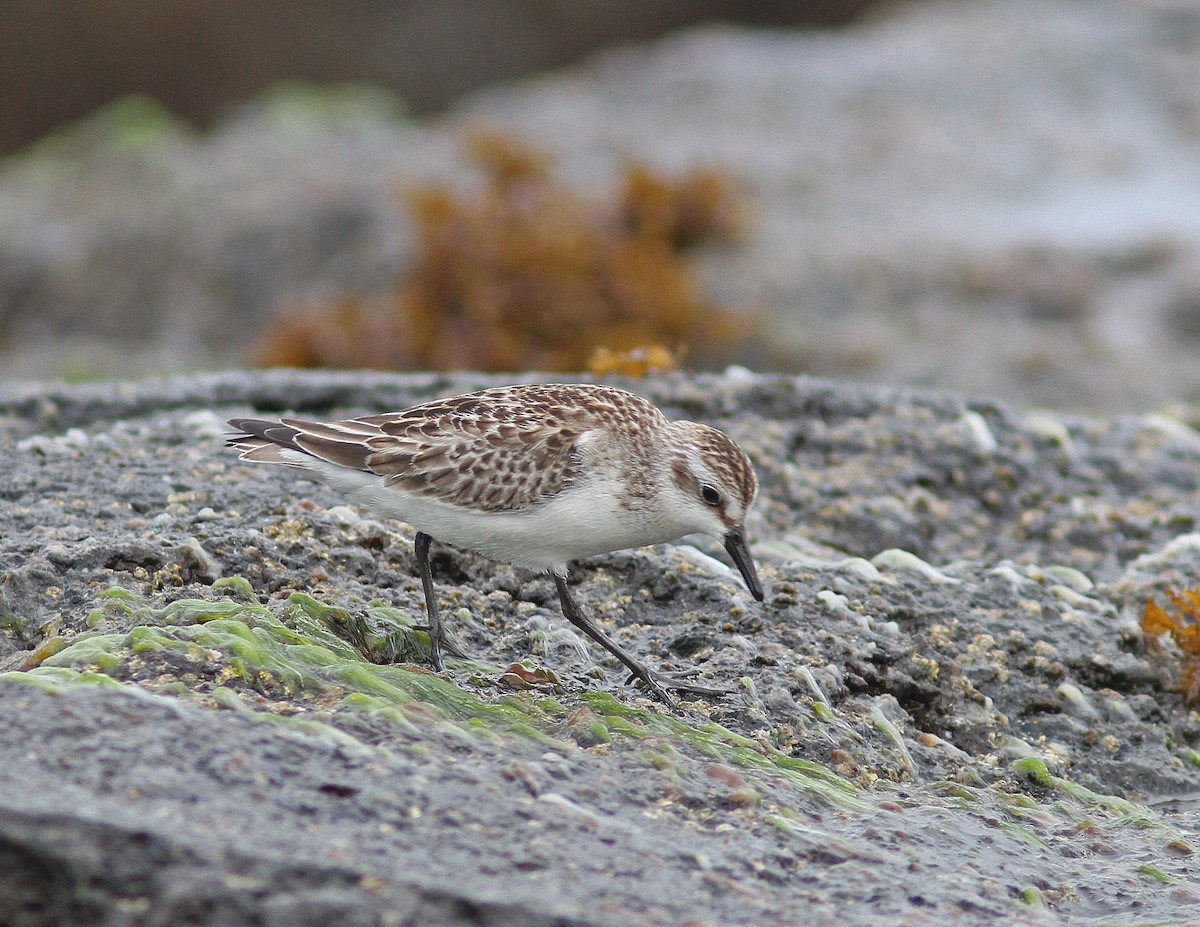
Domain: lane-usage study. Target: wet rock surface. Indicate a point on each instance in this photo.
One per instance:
(945, 710)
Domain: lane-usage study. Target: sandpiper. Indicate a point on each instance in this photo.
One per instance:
(535, 475)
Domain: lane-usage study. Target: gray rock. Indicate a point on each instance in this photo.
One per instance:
(967, 730)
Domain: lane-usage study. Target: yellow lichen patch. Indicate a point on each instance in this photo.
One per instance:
(529, 274)
(1184, 628)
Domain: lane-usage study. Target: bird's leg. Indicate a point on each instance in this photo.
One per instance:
(657, 683)
(437, 633)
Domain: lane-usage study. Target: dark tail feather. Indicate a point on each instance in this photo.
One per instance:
(274, 432)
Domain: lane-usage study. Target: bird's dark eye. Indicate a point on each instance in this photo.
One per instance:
(710, 495)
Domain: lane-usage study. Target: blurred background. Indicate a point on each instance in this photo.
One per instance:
(995, 196)
(61, 59)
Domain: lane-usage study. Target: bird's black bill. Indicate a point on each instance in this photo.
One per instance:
(739, 550)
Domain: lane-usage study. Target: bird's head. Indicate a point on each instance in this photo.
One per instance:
(713, 486)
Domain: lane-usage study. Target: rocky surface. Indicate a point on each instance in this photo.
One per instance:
(993, 196)
(945, 710)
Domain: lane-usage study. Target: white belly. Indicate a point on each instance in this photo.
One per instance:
(581, 522)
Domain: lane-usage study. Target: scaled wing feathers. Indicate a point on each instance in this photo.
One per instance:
(464, 453)
(470, 460)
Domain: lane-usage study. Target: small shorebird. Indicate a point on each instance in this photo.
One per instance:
(535, 475)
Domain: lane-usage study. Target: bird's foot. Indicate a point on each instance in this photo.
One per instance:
(661, 685)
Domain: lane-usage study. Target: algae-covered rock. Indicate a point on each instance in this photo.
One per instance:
(215, 704)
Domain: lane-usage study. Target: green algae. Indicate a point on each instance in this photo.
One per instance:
(226, 648)
(1124, 813)
(1024, 833)
(721, 744)
(91, 649)
(56, 680)
(796, 825)
(382, 634)
(1037, 771)
(823, 712)
(1153, 872)
(955, 792)
(1188, 922)
(237, 584)
(889, 730)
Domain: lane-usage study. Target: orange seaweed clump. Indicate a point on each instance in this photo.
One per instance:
(345, 333)
(527, 274)
(1184, 628)
(701, 207)
(640, 362)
